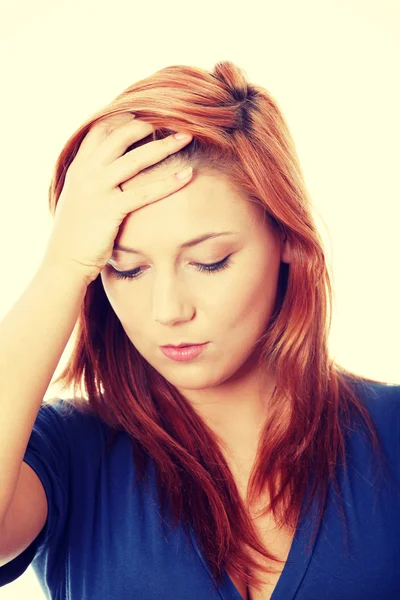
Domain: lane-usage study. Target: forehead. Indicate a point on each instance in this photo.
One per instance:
(209, 198)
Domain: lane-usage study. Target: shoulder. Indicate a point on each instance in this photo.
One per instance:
(382, 400)
(69, 408)
(72, 420)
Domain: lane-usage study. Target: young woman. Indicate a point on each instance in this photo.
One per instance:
(247, 463)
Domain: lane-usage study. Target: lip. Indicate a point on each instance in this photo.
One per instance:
(183, 354)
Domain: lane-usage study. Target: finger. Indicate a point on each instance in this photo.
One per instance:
(98, 133)
(120, 138)
(136, 160)
(131, 200)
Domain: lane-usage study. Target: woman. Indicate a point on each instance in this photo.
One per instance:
(261, 468)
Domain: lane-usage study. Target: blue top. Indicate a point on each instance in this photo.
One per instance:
(103, 540)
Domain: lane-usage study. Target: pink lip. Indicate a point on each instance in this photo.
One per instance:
(182, 354)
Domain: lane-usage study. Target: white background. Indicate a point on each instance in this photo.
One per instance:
(331, 65)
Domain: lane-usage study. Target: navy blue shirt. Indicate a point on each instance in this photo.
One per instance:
(105, 539)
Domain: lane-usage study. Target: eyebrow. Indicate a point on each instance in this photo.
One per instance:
(197, 240)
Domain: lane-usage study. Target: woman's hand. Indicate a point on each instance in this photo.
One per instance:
(91, 206)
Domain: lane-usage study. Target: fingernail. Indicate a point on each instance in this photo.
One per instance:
(182, 136)
(184, 174)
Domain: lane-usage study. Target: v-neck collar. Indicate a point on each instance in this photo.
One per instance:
(295, 568)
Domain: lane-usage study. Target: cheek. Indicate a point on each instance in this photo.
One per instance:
(226, 307)
(121, 300)
(249, 298)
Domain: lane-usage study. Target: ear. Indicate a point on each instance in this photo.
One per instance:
(285, 248)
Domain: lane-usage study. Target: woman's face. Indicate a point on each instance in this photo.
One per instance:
(171, 301)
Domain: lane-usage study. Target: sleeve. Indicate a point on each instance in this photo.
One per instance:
(48, 454)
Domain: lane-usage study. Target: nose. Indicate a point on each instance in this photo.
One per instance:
(171, 303)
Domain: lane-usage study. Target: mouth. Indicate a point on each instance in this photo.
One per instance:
(184, 345)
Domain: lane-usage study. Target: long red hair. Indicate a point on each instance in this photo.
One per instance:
(239, 132)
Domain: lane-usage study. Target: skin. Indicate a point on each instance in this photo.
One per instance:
(171, 301)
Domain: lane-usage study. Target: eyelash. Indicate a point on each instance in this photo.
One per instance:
(212, 268)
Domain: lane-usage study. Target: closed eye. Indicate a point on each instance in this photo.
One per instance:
(205, 268)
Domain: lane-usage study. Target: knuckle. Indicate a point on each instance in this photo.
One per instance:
(148, 195)
(113, 122)
(145, 196)
(134, 162)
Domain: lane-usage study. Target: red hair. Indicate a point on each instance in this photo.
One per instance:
(239, 133)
